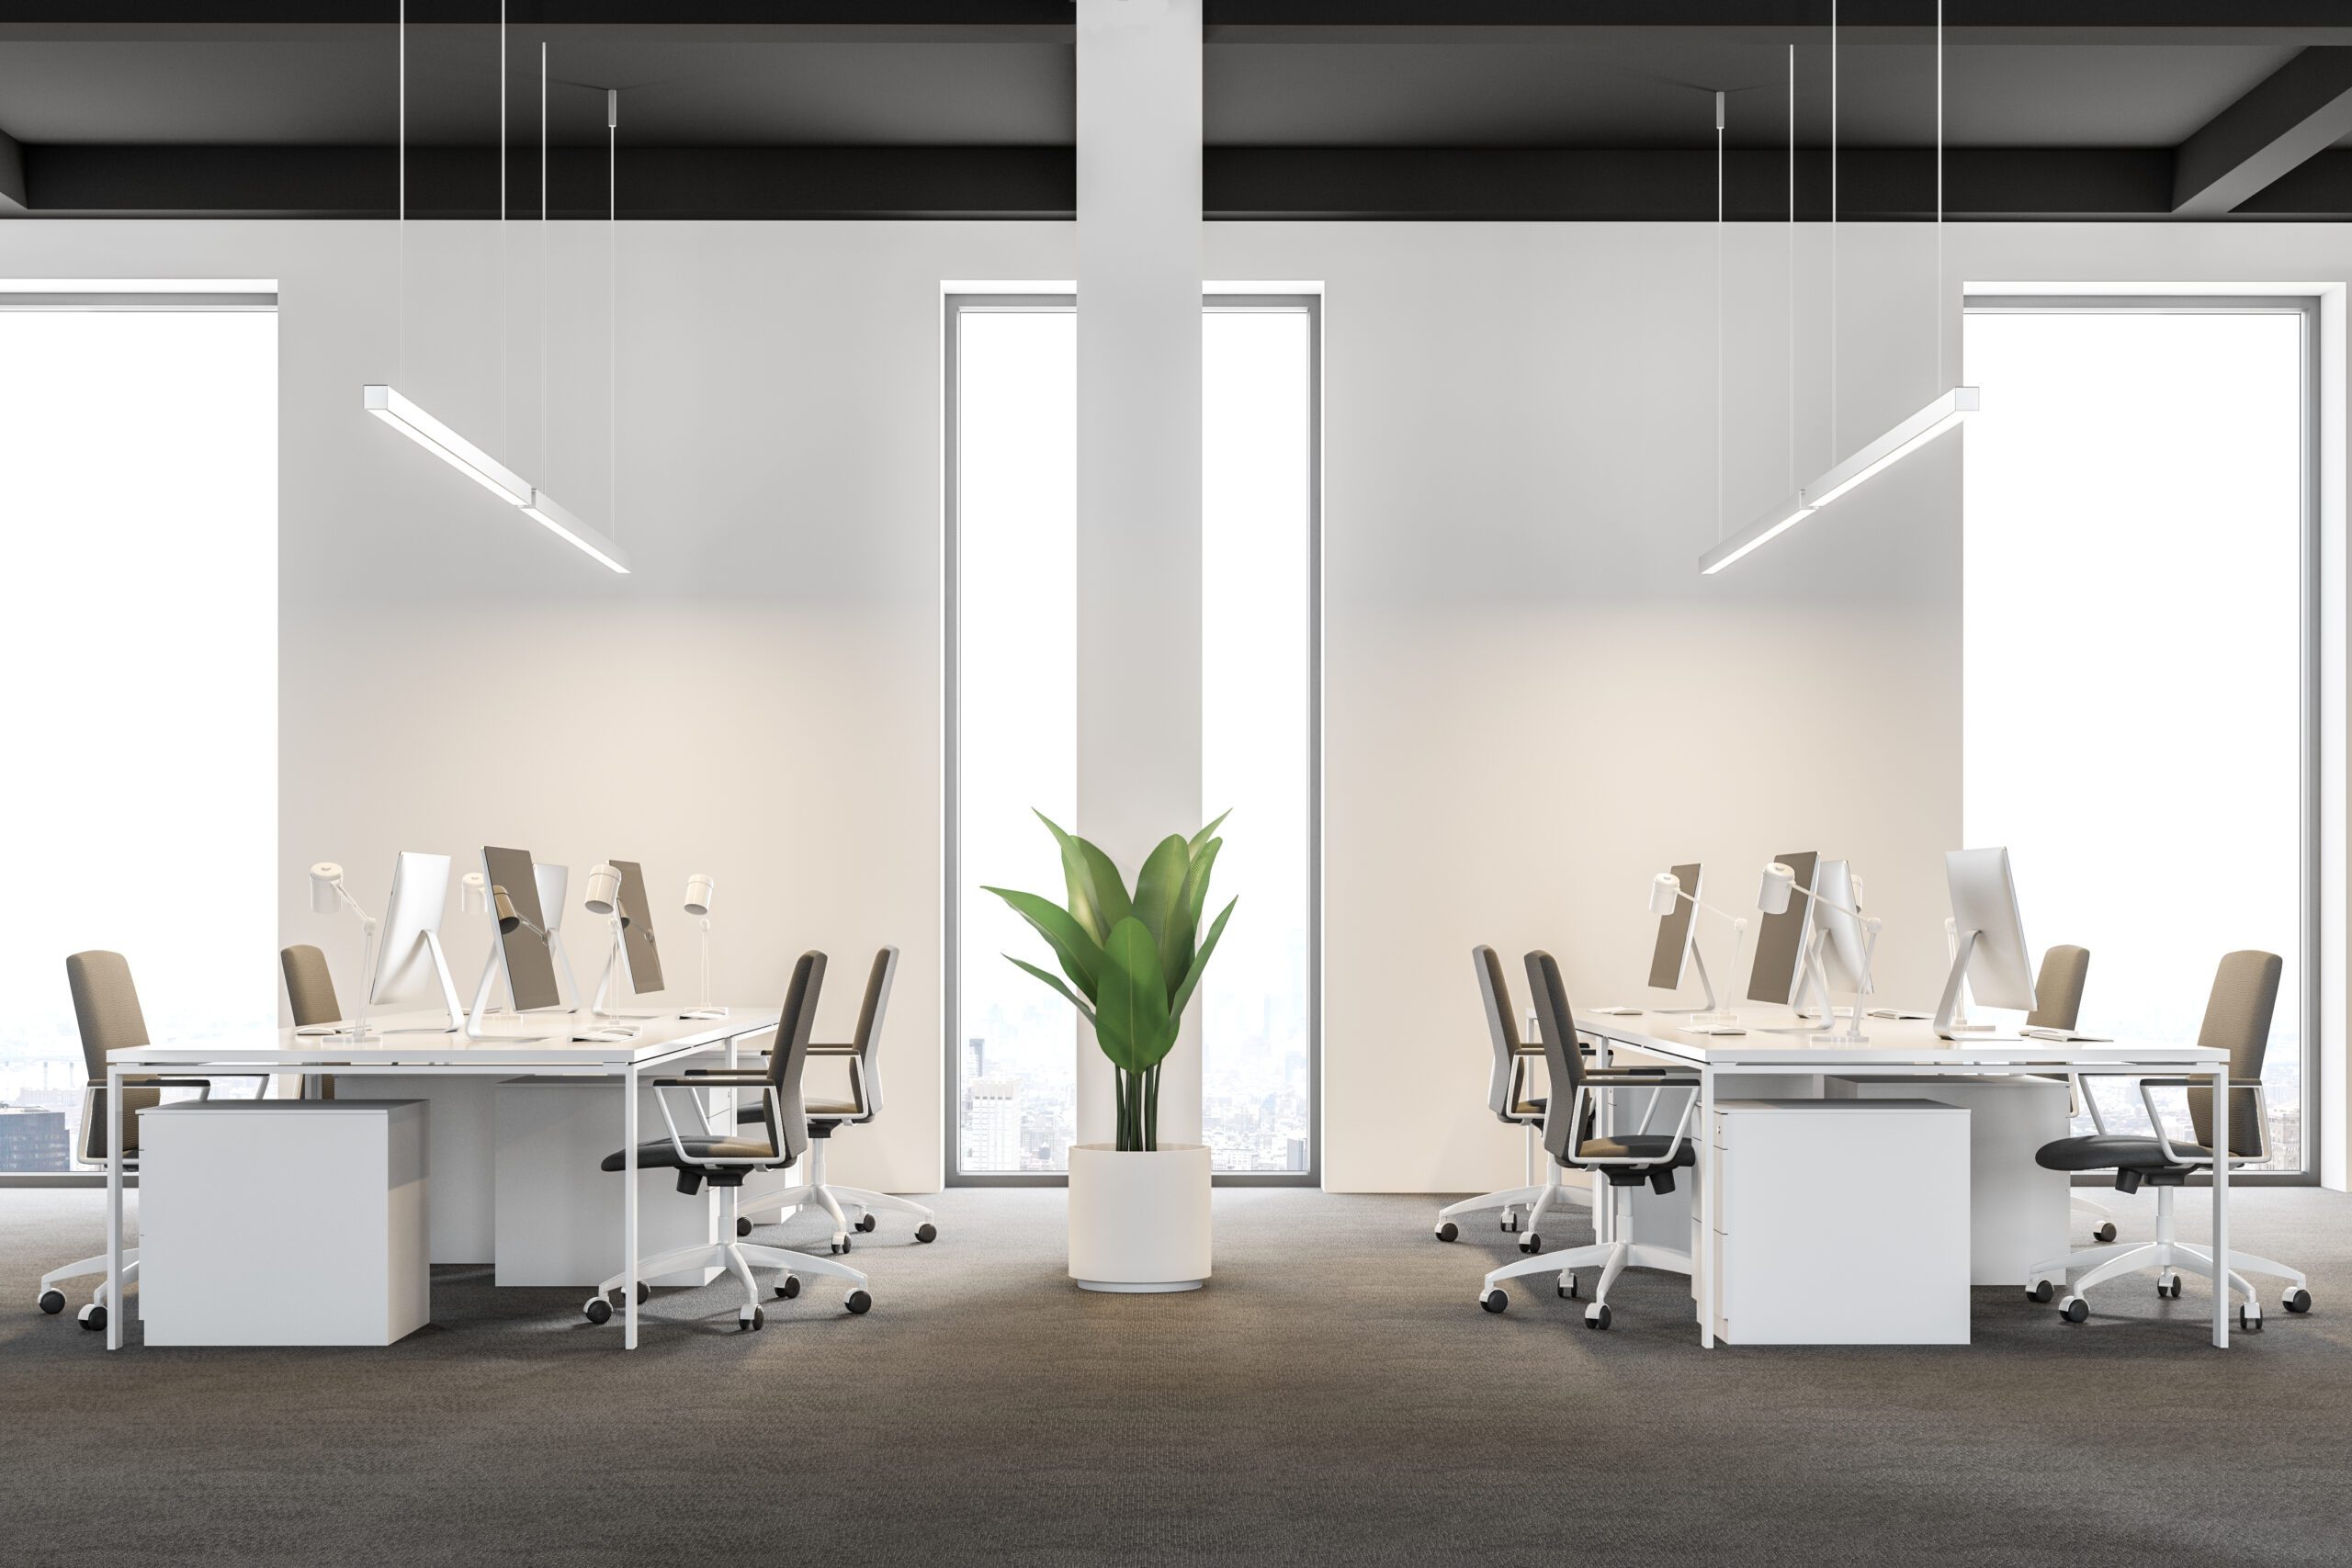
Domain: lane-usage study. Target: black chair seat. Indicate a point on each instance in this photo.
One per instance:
(661, 1152)
(1649, 1146)
(2111, 1151)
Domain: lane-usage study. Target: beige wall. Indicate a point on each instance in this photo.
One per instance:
(1533, 700)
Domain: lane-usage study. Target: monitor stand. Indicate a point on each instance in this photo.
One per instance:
(1951, 1014)
(456, 1016)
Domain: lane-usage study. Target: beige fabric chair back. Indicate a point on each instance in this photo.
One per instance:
(2237, 1020)
(868, 1038)
(1494, 995)
(310, 986)
(2058, 990)
(106, 1009)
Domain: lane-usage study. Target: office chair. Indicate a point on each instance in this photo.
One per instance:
(1626, 1160)
(826, 1117)
(1507, 1098)
(2237, 1018)
(707, 1156)
(106, 1009)
(310, 995)
(2058, 1004)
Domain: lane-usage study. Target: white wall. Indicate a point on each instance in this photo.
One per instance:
(1527, 682)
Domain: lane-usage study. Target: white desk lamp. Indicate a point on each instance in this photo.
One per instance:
(1664, 888)
(699, 887)
(329, 896)
(604, 898)
(1772, 898)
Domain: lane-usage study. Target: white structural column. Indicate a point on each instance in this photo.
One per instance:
(1139, 467)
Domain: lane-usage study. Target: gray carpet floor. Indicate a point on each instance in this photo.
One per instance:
(1334, 1397)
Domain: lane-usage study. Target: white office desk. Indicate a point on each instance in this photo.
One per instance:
(434, 1052)
(1900, 1048)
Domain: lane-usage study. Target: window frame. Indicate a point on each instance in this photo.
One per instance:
(953, 303)
(2309, 920)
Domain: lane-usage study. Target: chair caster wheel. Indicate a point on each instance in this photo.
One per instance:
(753, 1320)
(1447, 1231)
(2041, 1291)
(1509, 1221)
(644, 1292)
(52, 1301)
(2168, 1286)
(2295, 1299)
(1493, 1300)
(1597, 1315)
(840, 1243)
(865, 1223)
(1567, 1287)
(743, 1228)
(1531, 1242)
(2250, 1318)
(2073, 1309)
(857, 1301)
(2104, 1232)
(788, 1287)
(93, 1316)
(926, 1232)
(598, 1310)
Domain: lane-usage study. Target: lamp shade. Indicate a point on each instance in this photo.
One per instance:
(699, 887)
(473, 893)
(604, 889)
(1772, 897)
(1663, 887)
(507, 917)
(326, 878)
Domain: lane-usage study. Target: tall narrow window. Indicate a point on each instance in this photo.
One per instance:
(1012, 497)
(1258, 728)
(1012, 426)
(139, 625)
(2139, 657)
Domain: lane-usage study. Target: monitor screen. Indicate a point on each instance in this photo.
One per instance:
(404, 967)
(522, 929)
(1780, 939)
(1984, 901)
(637, 929)
(1674, 932)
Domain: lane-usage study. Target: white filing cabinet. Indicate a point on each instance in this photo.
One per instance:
(1841, 1222)
(2016, 1210)
(283, 1222)
(558, 1217)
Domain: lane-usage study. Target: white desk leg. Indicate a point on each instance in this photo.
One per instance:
(628, 1204)
(2221, 1207)
(113, 1207)
(1704, 1262)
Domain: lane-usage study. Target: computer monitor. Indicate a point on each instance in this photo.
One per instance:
(1669, 957)
(409, 966)
(1841, 934)
(637, 929)
(524, 932)
(1991, 954)
(1781, 939)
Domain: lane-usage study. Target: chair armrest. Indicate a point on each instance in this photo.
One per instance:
(662, 1087)
(832, 1050)
(705, 1078)
(1682, 1136)
(2164, 1140)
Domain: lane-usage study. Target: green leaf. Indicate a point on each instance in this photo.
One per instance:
(1131, 1019)
(1206, 834)
(1098, 898)
(1081, 960)
(1056, 982)
(1184, 925)
(1200, 962)
(1159, 887)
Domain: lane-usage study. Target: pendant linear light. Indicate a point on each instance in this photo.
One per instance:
(404, 414)
(1945, 413)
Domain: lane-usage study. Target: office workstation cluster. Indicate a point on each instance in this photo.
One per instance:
(751, 748)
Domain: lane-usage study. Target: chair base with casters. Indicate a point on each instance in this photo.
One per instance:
(2170, 1258)
(1611, 1256)
(738, 1258)
(1536, 1199)
(781, 1205)
(102, 1301)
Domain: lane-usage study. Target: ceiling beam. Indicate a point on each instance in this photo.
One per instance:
(2294, 114)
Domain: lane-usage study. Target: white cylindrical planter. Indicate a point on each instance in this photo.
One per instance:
(1139, 1222)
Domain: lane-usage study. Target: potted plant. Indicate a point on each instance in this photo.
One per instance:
(1130, 962)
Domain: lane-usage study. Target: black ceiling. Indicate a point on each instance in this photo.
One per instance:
(2192, 109)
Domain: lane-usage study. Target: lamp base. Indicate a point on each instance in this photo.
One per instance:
(704, 1012)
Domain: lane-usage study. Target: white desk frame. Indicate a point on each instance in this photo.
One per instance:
(1904, 1048)
(659, 1043)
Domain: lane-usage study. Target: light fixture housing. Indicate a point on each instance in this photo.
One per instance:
(403, 415)
(1946, 412)
(599, 547)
